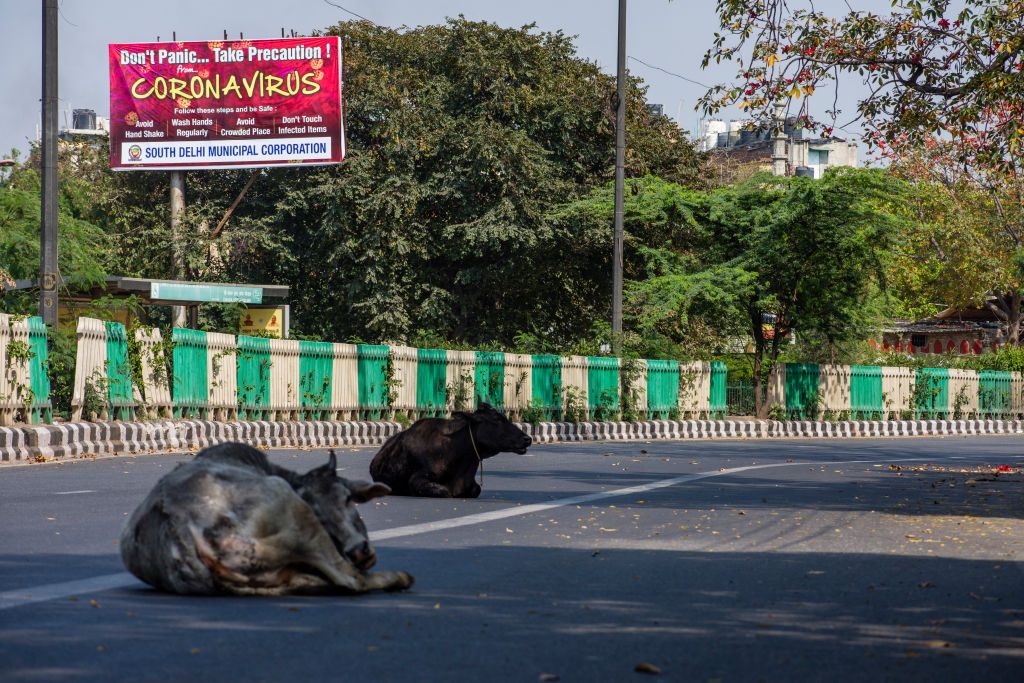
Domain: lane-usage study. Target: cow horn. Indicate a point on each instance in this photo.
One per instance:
(332, 460)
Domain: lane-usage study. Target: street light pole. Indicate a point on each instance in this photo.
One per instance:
(620, 189)
(49, 275)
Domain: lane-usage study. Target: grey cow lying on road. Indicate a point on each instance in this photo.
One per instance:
(439, 458)
(230, 521)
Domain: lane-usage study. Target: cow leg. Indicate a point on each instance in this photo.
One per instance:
(388, 581)
(301, 539)
(471, 491)
(324, 556)
(303, 583)
(420, 485)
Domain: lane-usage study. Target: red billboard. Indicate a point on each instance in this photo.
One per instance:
(226, 104)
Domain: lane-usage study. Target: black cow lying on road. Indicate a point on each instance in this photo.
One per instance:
(438, 457)
(230, 521)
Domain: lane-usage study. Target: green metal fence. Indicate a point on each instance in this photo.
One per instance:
(119, 376)
(316, 369)
(931, 392)
(373, 362)
(802, 383)
(41, 409)
(866, 401)
(489, 378)
(602, 387)
(316, 361)
(431, 378)
(662, 389)
(190, 373)
(739, 399)
(547, 385)
(253, 377)
(995, 394)
(718, 399)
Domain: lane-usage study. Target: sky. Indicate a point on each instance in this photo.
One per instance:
(668, 35)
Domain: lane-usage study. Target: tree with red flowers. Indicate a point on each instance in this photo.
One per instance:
(969, 244)
(930, 69)
(945, 105)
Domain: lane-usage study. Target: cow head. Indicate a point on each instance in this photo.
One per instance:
(495, 432)
(334, 499)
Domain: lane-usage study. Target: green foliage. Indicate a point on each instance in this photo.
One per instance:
(927, 66)
(462, 139)
(575, 409)
(631, 374)
(95, 395)
(61, 356)
(84, 248)
(461, 392)
(474, 211)
(18, 351)
(534, 413)
(922, 395)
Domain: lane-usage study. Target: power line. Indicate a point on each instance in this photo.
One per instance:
(688, 80)
(60, 10)
(345, 9)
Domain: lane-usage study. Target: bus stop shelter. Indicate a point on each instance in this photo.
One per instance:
(191, 295)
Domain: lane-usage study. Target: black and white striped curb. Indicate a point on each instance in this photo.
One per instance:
(553, 432)
(87, 439)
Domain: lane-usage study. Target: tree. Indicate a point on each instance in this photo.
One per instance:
(968, 248)
(84, 248)
(676, 303)
(816, 252)
(764, 259)
(930, 66)
(462, 139)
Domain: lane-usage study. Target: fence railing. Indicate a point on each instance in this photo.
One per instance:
(739, 399)
(808, 391)
(222, 377)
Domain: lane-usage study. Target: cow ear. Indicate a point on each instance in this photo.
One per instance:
(484, 408)
(363, 491)
(327, 471)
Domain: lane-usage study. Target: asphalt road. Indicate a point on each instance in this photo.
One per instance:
(861, 560)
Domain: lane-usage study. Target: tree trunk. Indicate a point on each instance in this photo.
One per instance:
(757, 331)
(1007, 308)
(1013, 322)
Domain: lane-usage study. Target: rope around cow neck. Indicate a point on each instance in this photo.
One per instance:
(479, 460)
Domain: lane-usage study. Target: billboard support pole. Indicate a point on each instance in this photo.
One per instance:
(177, 258)
(49, 274)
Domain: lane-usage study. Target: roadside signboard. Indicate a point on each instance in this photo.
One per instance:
(226, 104)
(263, 322)
(177, 291)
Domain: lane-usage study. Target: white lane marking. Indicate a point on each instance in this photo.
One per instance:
(69, 493)
(467, 520)
(56, 591)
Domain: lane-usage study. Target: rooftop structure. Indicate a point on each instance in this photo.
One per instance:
(738, 141)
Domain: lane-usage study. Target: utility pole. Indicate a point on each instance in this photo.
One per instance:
(620, 184)
(177, 257)
(49, 273)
